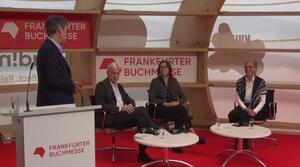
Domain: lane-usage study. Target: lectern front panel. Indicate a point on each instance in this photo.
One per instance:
(59, 140)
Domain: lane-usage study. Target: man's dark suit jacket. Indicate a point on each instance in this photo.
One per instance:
(105, 96)
(55, 85)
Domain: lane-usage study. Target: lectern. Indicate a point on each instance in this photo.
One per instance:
(57, 136)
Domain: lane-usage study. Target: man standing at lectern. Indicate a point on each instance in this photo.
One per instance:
(55, 85)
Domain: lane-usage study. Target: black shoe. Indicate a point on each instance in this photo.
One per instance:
(144, 158)
(154, 131)
(176, 131)
(201, 141)
(177, 149)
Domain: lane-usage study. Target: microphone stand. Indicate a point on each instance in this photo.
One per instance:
(27, 92)
(81, 99)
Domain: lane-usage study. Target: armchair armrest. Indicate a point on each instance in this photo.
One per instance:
(187, 105)
(272, 111)
(103, 118)
(235, 103)
(152, 109)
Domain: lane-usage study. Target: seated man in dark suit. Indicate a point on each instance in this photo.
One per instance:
(251, 95)
(114, 99)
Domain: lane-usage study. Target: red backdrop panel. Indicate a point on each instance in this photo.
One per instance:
(25, 30)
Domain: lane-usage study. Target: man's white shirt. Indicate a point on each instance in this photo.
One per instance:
(248, 97)
(117, 95)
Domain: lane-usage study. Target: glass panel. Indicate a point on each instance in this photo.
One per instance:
(153, 31)
(14, 67)
(145, 5)
(261, 5)
(7, 98)
(229, 65)
(136, 31)
(256, 32)
(41, 4)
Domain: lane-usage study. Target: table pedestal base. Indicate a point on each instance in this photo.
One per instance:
(238, 151)
(166, 160)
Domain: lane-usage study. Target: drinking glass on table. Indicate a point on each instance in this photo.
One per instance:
(218, 124)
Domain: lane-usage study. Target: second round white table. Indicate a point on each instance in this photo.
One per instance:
(240, 133)
(165, 142)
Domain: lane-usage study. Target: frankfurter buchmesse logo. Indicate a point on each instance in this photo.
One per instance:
(39, 151)
(10, 28)
(105, 63)
(62, 149)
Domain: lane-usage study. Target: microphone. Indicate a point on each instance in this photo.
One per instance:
(27, 92)
(81, 99)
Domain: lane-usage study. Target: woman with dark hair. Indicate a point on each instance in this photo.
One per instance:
(165, 91)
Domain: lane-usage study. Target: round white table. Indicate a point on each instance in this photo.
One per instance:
(240, 133)
(165, 142)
